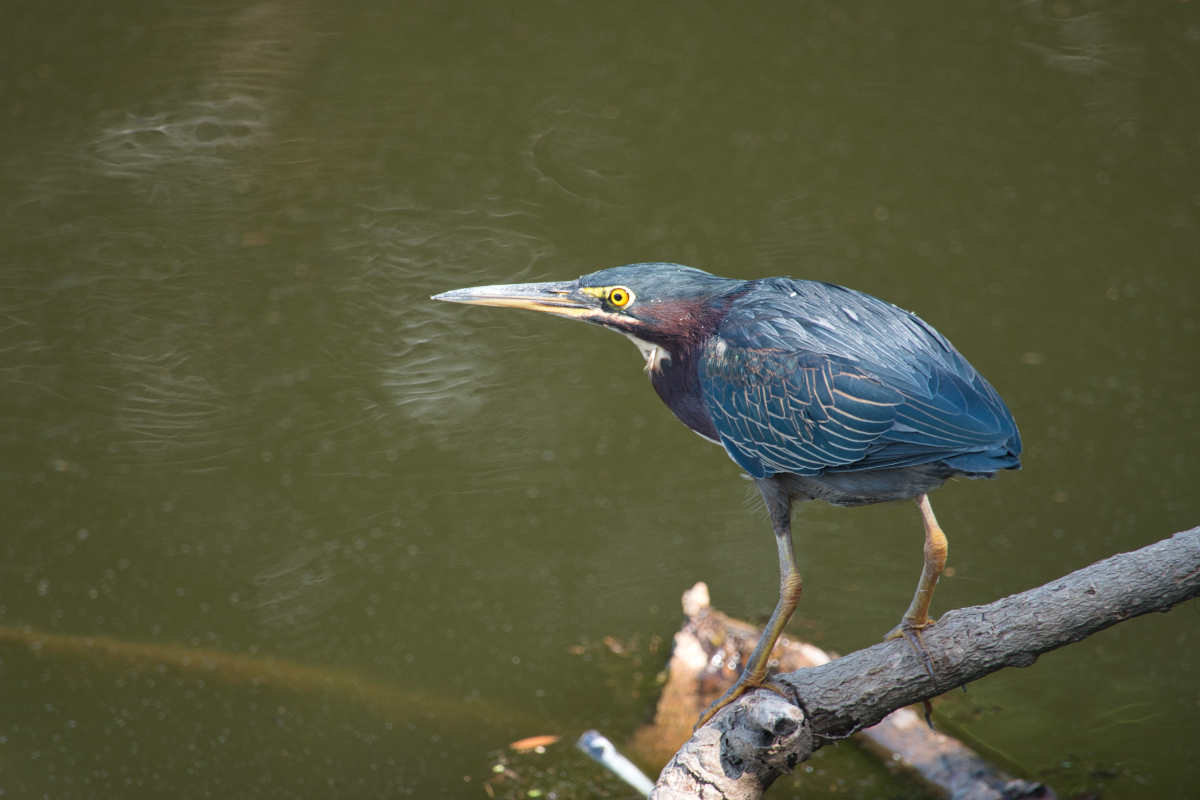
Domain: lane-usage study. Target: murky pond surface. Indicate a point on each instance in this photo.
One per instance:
(317, 535)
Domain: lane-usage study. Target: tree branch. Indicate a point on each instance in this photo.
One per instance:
(750, 743)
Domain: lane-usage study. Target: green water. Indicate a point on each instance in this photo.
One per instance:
(232, 419)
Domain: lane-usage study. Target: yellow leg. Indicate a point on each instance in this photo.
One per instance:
(754, 674)
(917, 617)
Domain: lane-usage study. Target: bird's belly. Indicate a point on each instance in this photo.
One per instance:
(868, 486)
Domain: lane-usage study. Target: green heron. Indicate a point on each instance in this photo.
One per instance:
(817, 391)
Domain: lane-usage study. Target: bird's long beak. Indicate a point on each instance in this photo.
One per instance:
(560, 297)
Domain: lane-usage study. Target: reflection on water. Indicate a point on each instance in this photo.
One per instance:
(234, 421)
(291, 592)
(146, 215)
(1087, 45)
(194, 137)
(396, 250)
(575, 157)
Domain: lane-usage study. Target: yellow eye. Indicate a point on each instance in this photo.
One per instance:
(620, 297)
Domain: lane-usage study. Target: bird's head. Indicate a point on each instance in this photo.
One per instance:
(660, 305)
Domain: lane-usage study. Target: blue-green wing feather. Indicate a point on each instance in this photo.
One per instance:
(811, 378)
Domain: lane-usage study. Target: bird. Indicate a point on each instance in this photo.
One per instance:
(816, 391)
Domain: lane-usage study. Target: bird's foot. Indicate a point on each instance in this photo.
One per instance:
(910, 630)
(744, 684)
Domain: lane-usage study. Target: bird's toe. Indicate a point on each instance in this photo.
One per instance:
(908, 627)
(910, 631)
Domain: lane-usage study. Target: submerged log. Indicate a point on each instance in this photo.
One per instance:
(942, 764)
(241, 670)
(753, 741)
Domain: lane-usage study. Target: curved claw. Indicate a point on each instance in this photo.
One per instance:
(911, 631)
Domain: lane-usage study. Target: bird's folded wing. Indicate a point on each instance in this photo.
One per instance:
(808, 413)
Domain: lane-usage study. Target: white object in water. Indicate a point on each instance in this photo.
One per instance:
(601, 749)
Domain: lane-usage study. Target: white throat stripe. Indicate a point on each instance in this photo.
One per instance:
(653, 354)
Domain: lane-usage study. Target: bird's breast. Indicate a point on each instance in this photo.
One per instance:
(675, 378)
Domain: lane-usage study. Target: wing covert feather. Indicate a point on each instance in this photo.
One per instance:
(793, 412)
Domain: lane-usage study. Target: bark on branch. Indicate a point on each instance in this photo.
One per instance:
(751, 742)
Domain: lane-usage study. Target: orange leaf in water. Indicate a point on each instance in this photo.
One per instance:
(533, 742)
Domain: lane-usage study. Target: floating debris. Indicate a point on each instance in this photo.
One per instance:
(537, 744)
(601, 749)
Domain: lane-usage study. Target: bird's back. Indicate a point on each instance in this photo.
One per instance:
(793, 315)
(811, 378)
